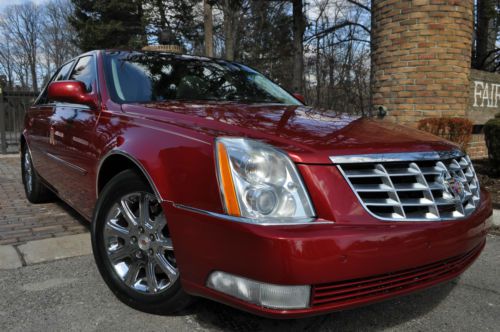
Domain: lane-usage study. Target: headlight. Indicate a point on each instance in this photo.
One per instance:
(260, 182)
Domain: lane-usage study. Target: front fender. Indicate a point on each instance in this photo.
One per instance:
(179, 163)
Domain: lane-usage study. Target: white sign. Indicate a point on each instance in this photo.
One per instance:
(486, 94)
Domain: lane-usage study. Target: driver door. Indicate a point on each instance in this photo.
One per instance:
(72, 135)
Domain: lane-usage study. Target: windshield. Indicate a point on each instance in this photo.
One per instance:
(136, 77)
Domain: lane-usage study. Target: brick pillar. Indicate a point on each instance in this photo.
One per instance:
(421, 57)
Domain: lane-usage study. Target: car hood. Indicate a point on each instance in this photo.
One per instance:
(307, 134)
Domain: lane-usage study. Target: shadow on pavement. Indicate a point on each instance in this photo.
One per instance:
(72, 212)
(212, 315)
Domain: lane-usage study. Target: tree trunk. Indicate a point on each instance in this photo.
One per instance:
(34, 76)
(318, 72)
(299, 26)
(209, 27)
(230, 9)
(481, 33)
(486, 33)
(161, 10)
(331, 82)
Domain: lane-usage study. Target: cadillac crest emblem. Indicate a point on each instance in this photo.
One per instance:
(453, 185)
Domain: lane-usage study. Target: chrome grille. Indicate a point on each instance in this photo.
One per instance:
(415, 186)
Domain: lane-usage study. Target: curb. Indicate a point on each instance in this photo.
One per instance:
(10, 259)
(10, 155)
(496, 218)
(45, 250)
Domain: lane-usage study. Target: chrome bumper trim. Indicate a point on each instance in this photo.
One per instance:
(302, 222)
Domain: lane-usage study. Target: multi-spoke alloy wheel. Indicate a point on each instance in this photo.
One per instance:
(28, 171)
(132, 246)
(35, 190)
(138, 244)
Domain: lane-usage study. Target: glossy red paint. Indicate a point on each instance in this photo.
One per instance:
(300, 97)
(173, 143)
(71, 92)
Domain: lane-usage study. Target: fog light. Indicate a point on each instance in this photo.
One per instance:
(265, 295)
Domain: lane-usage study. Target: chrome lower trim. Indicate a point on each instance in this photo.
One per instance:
(68, 164)
(301, 222)
(389, 157)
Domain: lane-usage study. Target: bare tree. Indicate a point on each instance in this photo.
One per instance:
(23, 24)
(21, 68)
(337, 48)
(232, 14)
(6, 58)
(57, 32)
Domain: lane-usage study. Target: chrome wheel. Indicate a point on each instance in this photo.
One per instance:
(138, 244)
(28, 171)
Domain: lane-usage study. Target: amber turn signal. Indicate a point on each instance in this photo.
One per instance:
(226, 181)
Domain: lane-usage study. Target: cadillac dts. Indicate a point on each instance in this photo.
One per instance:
(203, 178)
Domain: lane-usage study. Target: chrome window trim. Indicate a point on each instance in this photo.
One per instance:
(301, 222)
(402, 156)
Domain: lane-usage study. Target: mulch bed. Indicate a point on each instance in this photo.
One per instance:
(488, 180)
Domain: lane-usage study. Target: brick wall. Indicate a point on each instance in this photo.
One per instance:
(421, 61)
(477, 147)
(421, 57)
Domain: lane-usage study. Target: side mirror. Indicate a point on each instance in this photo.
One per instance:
(299, 97)
(73, 92)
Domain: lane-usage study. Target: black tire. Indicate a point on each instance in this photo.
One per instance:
(36, 191)
(168, 301)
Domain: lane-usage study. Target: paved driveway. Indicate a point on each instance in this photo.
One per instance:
(21, 221)
(69, 295)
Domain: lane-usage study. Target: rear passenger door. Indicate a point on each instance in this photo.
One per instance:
(39, 129)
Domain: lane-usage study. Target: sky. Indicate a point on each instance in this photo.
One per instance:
(4, 3)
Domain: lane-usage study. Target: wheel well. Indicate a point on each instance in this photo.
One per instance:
(23, 142)
(113, 165)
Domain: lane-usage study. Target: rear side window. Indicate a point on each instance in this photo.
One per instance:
(84, 71)
(60, 75)
(63, 73)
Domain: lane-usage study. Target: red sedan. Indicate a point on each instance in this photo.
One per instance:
(201, 177)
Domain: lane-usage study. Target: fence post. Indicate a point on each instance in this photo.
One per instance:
(3, 127)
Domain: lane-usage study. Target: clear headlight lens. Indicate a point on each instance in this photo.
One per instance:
(260, 182)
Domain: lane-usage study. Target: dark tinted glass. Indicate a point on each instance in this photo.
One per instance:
(63, 73)
(145, 77)
(84, 71)
(60, 75)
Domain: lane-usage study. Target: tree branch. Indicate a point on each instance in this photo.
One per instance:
(335, 28)
(360, 5)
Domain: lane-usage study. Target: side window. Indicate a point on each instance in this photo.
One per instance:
(63, 73)
(84, 71)
(60, 75)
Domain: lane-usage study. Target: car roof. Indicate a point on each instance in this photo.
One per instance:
(183, 56)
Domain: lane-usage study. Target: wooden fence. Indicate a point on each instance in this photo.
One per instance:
(13, 105)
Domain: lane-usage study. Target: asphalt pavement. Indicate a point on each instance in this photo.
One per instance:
(69, 295)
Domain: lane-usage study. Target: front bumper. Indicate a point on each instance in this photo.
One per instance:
(329, 257)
